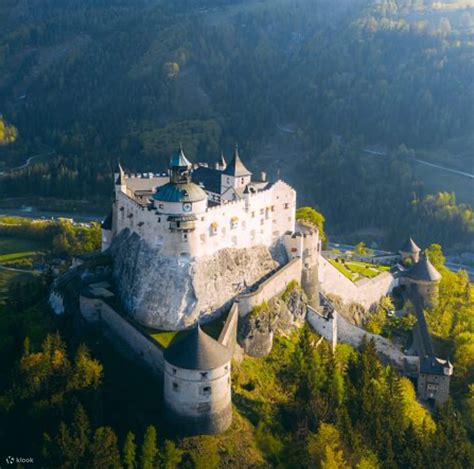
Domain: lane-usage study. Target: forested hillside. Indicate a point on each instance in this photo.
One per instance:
(107, 79)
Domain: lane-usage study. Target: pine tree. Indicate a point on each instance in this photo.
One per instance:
(103, 451)
(172, 455)
(149, 449)
(129, 451)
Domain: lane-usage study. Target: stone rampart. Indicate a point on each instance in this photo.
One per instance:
(366, 292)
(144, 347)
(353, 335)
(274, 285)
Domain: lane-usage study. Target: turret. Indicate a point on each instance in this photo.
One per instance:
(424, 279)
(410, 250)
(197, 386)
(221, 164)
(235, 176)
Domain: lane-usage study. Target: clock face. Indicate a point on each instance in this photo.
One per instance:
(187, 207)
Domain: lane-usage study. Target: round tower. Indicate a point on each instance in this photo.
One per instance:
(178, 204)
(197, 385)
(410, 250)
(424, 281)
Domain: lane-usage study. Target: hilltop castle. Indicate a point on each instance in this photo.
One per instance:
(196, 211)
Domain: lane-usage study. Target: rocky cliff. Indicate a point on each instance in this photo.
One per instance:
(278, 316)
(172, 294)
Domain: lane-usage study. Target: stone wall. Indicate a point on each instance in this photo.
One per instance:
(353, 335)
(271, 287)
(366, 292)
(144, 347)
(228, 335)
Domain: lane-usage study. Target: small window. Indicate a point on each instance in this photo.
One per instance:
(228, 180)
(253, 214)
(204, 375)
(159, 219)
(286, 205)
(161, 206)
(206, 391)
(178, 224)
(175, 387)
(174, 371)
(185, 236)
(262, 211)
(241, 180)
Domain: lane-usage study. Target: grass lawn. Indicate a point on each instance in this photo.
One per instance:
(14, 249)
(355, 270)
(6, 276)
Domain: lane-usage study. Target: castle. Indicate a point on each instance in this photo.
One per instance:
(169, 232)
(197, 211)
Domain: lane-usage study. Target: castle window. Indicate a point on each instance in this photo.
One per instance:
(286, 205)
(185, 236)
(174, 371)
(204, 374)
(206, 391)
(241, 180)
(253, 214)
(228, 180)
(161, 206)
(159, 219)
(175, 387)
(178, 224)
(262, 211)
(226, 368)
(262, 221)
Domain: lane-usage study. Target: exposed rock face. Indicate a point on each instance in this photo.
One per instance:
(283, 313)
(172, 294)
(355, 313)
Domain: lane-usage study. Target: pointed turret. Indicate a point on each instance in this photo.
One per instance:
(180, 168)
(410, 250)
(424, 270)
(236, 168)
(197, 351)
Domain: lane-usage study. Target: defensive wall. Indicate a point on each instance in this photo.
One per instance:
(272, 286)
(366, 292)
(96, 310)
(353, 335)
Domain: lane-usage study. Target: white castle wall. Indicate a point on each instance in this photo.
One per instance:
(195, 393)
(271, 287)
(262, 218)
(366, 292)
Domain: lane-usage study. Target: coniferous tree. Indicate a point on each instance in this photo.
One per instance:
(103, 451)
(149, 451)
(129, 451)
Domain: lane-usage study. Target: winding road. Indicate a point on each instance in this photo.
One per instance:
(28, 162)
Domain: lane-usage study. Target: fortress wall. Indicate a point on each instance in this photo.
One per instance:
(353, 335)
(146, 348)
(366, 292)
(228, 335)
(271, 287)
(149, 352)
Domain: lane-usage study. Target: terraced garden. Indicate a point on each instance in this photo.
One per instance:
(356, 270)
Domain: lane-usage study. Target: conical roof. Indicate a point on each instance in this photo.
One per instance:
(236, 168)
(424, 270)
(197, 351)
(179, 160)
(410, 246)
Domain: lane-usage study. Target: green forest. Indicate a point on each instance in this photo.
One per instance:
(98, 81)
(301, 407)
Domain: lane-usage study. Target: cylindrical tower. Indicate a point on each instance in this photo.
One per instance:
(424, 280)
(410, 250)
(197, 385)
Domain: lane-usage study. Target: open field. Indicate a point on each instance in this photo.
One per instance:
(15, 249)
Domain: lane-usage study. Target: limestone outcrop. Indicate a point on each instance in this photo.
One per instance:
(279, 316)
(173, 293)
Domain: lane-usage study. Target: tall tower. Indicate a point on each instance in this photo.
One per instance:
(197, 386)
(424, 281)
